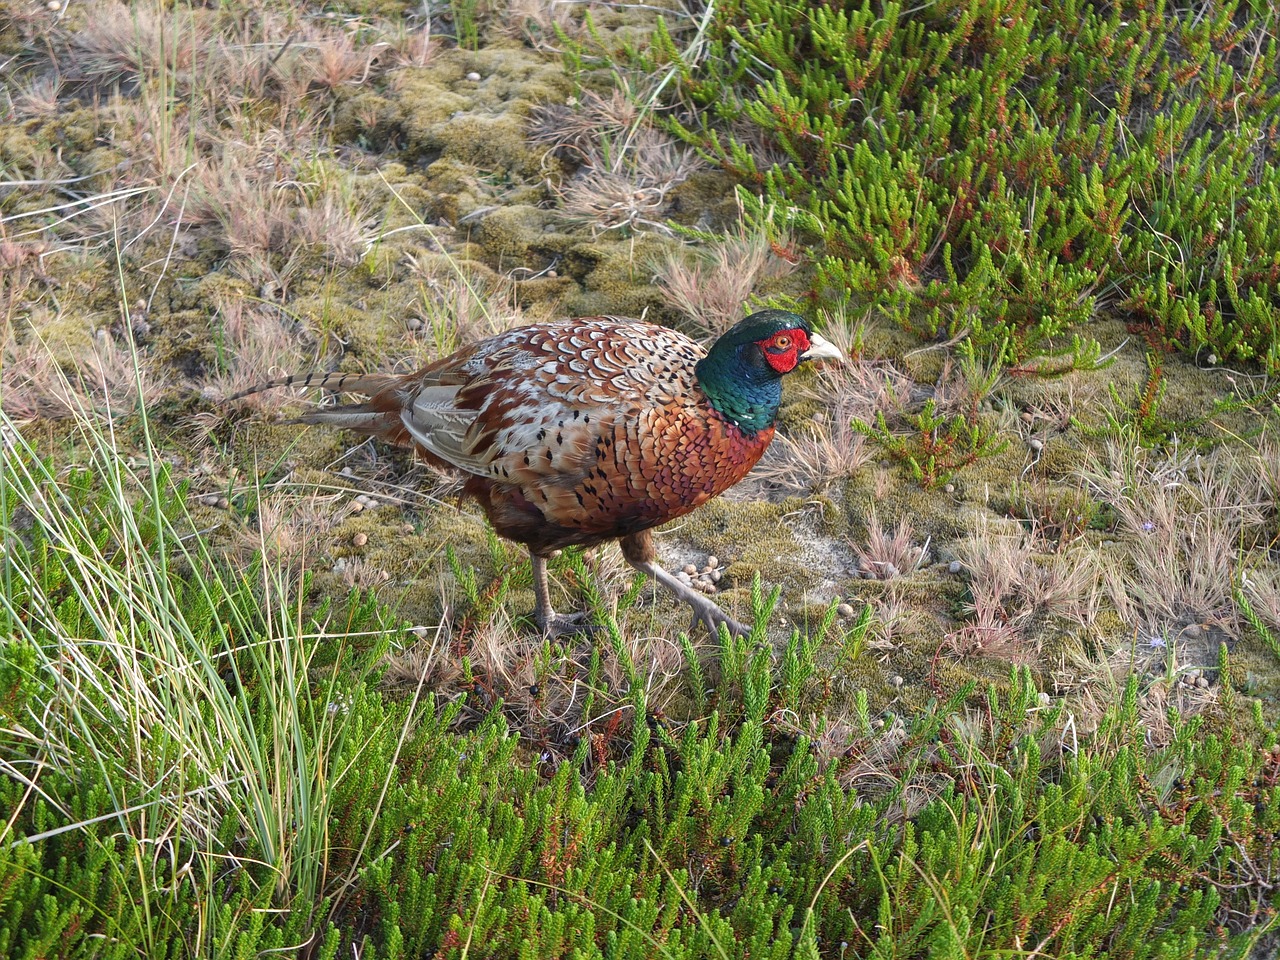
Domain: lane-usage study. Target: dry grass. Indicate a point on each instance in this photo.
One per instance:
(887, 554)
(714, 284)
(107, 374)
(1015, 581)
(627, 167)
(260, 342)
(453, 309)
(1188, 522)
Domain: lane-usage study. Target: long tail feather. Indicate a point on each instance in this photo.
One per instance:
(378, 416)
(342, 382)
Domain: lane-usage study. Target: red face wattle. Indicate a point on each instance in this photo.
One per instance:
(783, 349)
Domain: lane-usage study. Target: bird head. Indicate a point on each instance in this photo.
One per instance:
(784, 340)
(740, 372)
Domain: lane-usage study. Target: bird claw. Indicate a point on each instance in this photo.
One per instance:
(711, 616)
(564, 624)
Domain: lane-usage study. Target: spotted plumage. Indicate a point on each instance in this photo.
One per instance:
(579, 431)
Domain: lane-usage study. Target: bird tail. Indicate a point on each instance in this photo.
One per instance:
(377, 416)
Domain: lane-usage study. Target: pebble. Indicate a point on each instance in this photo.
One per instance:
(690, 569)
(877, 724)
(1202, 683)
(54, 5)
(360, 539)
(713, 561)
(1211, 358)
(223, 503)
(553, 274)
(845, 610)
(414, 323)
(473, 76)
(890, 571)
(955, 566)
(1036, 444)
(949, 488)
(896, 681)
(1192, 631)
(716, 575)
(357, 506)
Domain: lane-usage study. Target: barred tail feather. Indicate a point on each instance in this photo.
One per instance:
(339, 382)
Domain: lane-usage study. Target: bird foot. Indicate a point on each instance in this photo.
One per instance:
(555, 625)
(711, 616)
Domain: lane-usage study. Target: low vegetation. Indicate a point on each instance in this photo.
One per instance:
(1013, 683)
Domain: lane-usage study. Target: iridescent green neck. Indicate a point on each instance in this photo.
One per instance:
(740, 385)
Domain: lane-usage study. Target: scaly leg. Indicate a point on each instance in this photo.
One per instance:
(551, 624)
(639, 552)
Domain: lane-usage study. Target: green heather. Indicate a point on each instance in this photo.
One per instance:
(999, 170)
(193, 766)
(1013, 682)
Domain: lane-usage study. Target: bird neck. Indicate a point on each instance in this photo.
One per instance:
(745, 393)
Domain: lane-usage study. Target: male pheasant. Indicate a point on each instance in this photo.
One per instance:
(586, 430)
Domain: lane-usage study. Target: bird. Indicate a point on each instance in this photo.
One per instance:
(575, 432)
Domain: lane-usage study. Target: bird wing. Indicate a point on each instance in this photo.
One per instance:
(531, 406)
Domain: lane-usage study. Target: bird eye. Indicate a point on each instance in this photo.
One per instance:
(782, 342)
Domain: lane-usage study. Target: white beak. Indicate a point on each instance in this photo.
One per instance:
(822, 349)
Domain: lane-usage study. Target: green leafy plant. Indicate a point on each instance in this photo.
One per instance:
(1004, 170)
(939, 445)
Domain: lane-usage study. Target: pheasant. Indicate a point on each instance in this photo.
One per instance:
(580, 431)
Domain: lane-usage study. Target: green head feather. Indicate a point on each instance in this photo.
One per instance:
(736, 377)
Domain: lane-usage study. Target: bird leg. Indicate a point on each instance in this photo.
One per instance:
(638, 550)
(552, 624)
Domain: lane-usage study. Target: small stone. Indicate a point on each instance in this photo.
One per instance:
(1026, 416)
(345, 472)
(223, 503)
(896, 681)
(877, 724)
(949, 488)
(1192, 631)
(1036, 444)
(716, 575)
(360, 539)
(553, 274)
(713, 561)
(890, 571)
(690, 569)
(1043, 698)
(357, 506)
(54, 5)
(473, 76)
(845, 610)
(955, 566)
(414, 323)
(1211, 359)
